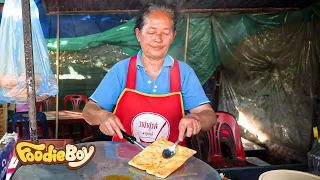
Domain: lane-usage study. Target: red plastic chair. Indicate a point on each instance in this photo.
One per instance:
(224, 133)
(46, 105)
(76, 100)
(225, 127)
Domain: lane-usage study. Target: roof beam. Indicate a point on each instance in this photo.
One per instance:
(64, 7)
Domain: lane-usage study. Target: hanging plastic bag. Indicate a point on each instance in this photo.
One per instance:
(314, 154)
(13, 87)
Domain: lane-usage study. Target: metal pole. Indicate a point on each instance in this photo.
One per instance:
(57, 72)
(187, 39)
(27, 34)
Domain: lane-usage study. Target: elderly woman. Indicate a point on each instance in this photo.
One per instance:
(147, 95)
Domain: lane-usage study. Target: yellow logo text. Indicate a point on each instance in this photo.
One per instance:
(74, 157)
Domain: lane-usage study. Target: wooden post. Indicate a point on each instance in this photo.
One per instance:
(187, 39)
(57, 73)
(28, 52)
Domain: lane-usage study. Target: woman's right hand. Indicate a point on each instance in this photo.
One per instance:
(110, 124)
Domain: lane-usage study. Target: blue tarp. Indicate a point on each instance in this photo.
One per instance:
(78, 25)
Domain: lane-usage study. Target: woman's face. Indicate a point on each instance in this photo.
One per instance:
(156, 35)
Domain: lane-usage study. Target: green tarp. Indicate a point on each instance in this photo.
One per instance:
(202, 50)
(203, 54)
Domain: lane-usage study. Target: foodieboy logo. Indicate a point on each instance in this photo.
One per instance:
(74, 158)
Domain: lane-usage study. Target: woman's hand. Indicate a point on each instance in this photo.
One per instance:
(110, 124)
(189, 125)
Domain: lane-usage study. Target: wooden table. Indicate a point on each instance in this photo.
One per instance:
(68, 118)
(65, 118)
(64, 115)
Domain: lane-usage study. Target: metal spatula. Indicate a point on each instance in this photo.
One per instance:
(131, 139)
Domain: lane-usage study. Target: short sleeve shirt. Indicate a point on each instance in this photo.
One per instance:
(108, 91)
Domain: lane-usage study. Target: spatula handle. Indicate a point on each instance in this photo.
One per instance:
(129, 138)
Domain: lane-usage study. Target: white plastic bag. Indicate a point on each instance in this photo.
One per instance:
(12, 58)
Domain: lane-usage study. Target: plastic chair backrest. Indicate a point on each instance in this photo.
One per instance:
(46, 105)
(226, 126)
(75, 99)
(23, 117)
(21, 107)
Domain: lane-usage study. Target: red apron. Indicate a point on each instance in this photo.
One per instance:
(147, 116)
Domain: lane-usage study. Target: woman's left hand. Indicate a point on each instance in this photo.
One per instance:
(189, 126)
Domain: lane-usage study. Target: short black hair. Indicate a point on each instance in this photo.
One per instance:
(169, 8)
